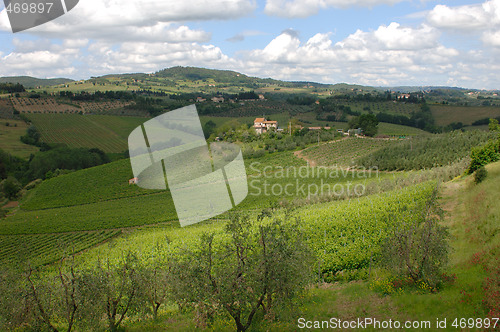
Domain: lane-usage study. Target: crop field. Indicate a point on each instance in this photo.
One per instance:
(77, 131)
(344, 152)
(46, 248)
(391, 129)
(446, 114)
(10, 132)
(42, 105)
(344, 234)
(6, 109)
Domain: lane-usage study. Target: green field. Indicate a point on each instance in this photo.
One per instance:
(446, 114)
(101, 131)
(10, 138)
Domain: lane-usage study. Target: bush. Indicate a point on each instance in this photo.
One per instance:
(252, 265)
(480, 174)
(483, 155)
(10, 187)
(417, 247)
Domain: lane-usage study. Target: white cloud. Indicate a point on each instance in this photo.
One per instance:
(390, 55)
(491, 38)
(467, 17)
(138, 20)
(305, 8)
(482, 19)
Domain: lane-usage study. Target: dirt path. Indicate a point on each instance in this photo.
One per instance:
(299, 154)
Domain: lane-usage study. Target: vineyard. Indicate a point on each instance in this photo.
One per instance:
(6, 109)
(46, 248)
(344, 152)
(346, 235)
(77, 131)
(42, 105)
(426, 152)
(446, 114)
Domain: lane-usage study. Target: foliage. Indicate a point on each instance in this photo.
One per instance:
(347, 235)
(493, 125)
(65, 158)
(10, 187)
(11, 87)
(417, 246)
(254, 265)
(480, 174)
(483, 155)
(367, 122)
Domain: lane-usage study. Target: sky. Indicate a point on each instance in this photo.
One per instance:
(368, 42)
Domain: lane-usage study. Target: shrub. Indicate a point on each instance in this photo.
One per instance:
(483, 155)
(480, 174)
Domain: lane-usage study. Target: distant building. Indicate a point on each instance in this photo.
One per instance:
(133, 181)
(262, 125)
(355, 132)
(218, 99)
(319, 128)
(200, 99)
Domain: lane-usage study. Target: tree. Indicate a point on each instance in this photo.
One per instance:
(493, 125)
(252, 265)
(418, 244)
(110, 289)
(367, 122)
(10, 187)
(209, 128)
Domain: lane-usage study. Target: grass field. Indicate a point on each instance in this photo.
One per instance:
(445, 114)
(9, 138)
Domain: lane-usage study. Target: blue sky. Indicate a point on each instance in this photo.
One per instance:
(371, 42)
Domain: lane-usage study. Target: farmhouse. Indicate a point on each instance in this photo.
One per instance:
(262, 125)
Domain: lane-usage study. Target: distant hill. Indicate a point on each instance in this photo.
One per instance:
(32, 82)
(221, 76)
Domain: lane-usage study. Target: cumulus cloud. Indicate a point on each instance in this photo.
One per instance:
(482, 19)
(136, 20)
(391, 54)
(469, 17)
(305, 8)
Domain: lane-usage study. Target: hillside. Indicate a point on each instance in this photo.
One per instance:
(33, 82)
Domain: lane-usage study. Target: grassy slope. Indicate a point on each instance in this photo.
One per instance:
(9, 138)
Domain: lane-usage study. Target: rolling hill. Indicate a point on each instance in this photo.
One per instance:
(33, 82)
